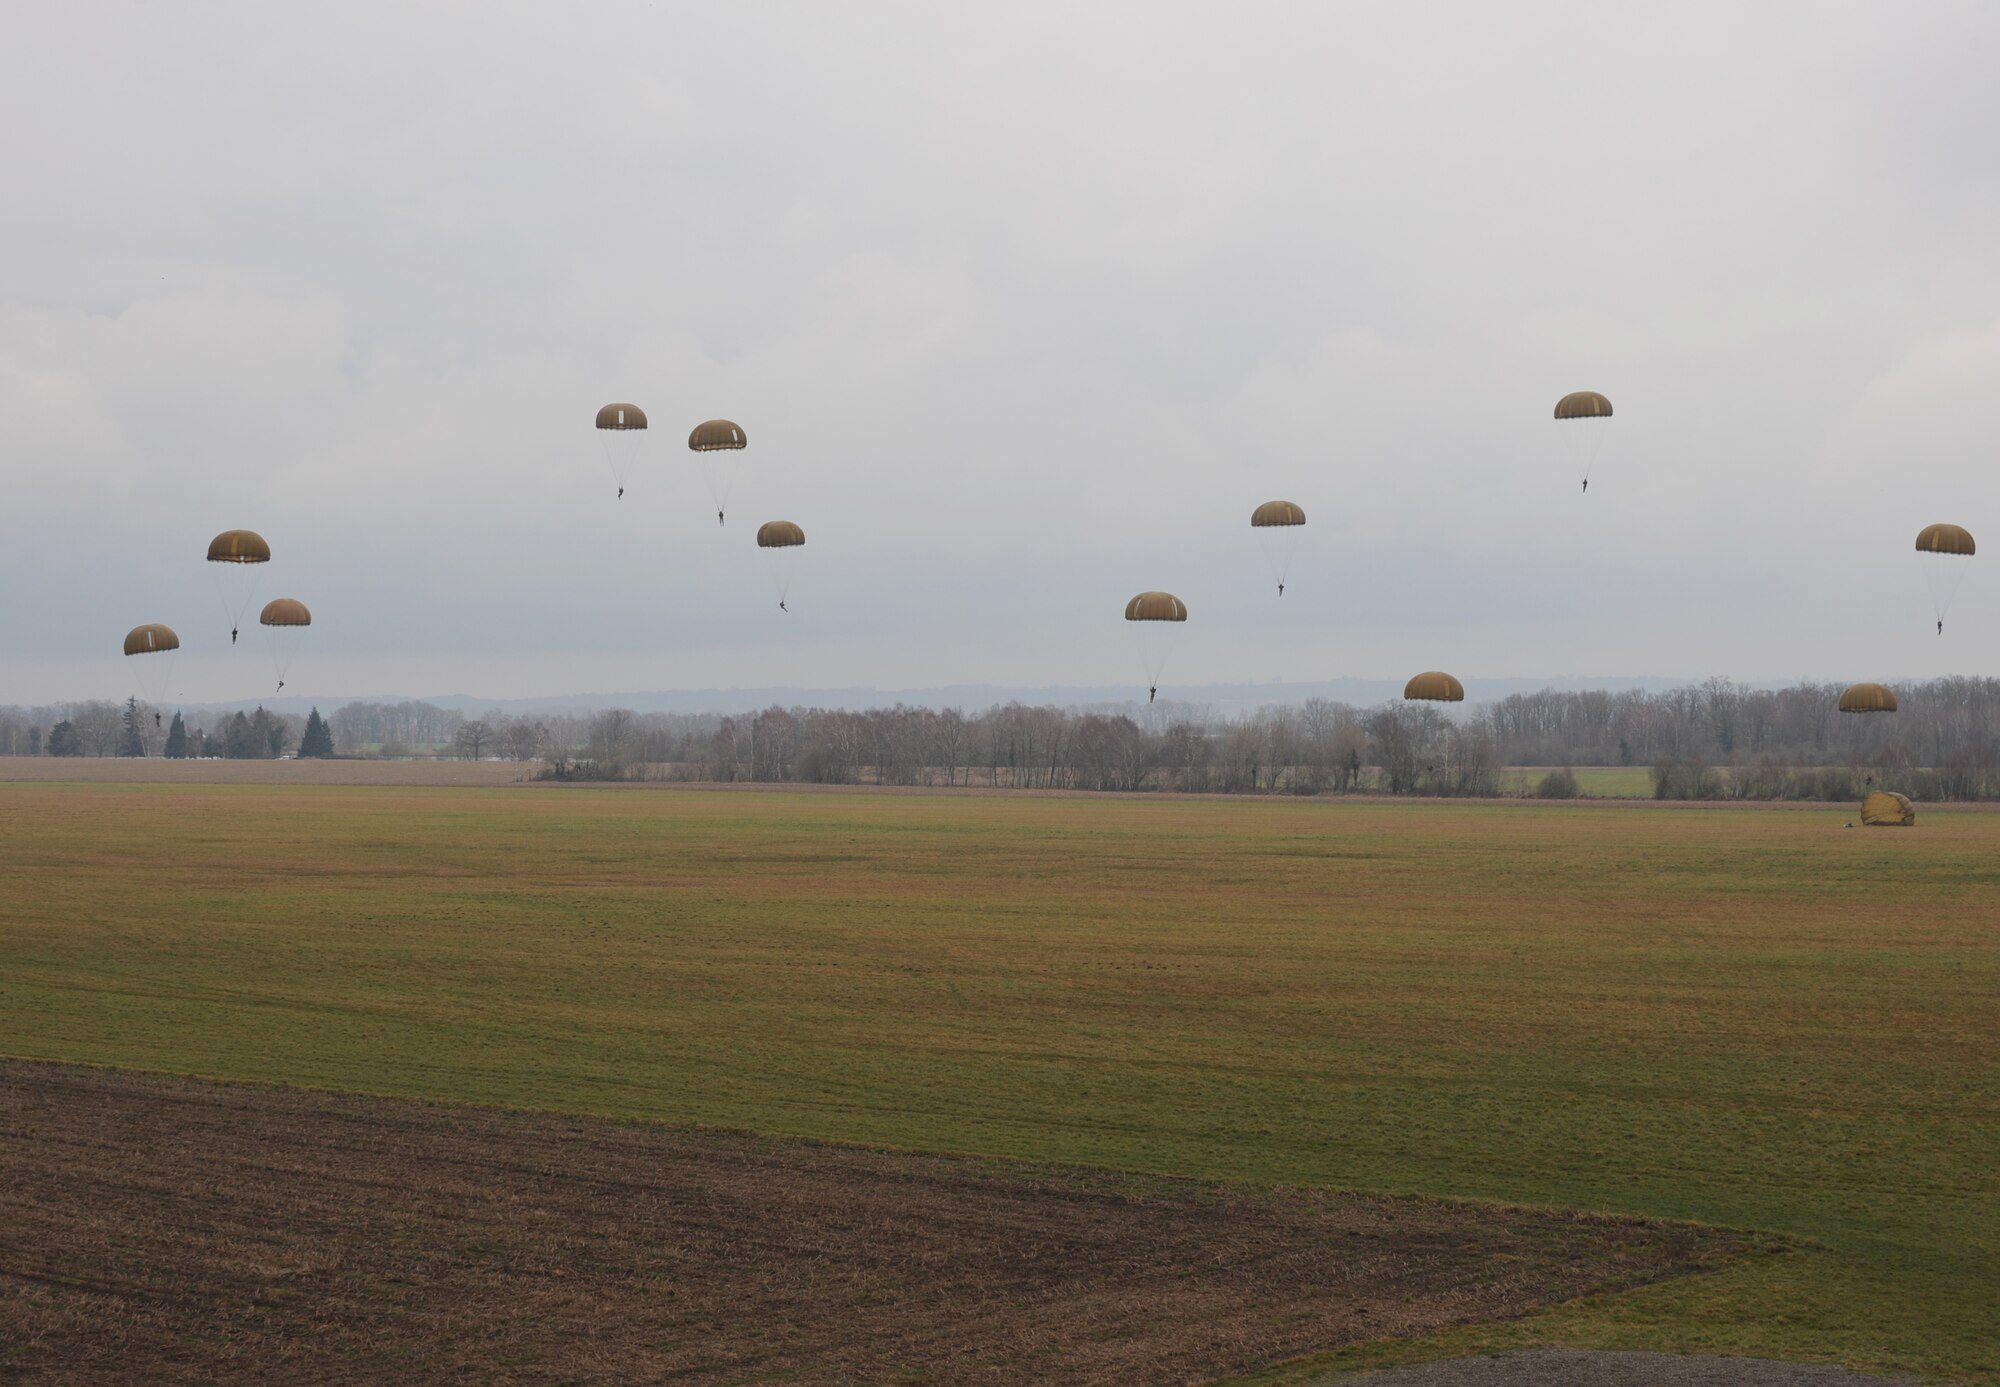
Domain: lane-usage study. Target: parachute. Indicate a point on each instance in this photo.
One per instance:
(1887, 809)
(1277, 524)
(710, 438)
(236, 551)
(157, 643)
(1157, 616)
(1867, 698)
(782, 539)
(1435, 686)
(620, 437)
(1942, 547)
(284, 618)
(1586, 416)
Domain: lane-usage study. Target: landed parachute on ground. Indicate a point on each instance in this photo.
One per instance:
(1435, 686)
(620, 436)
(1942, 547)
(1157, 616)
(707, 441)
(1888, 809)
(284, 618)
(782, 540)
(1867, 698)
(236, 551)
(1277, 524)
(1586, 415)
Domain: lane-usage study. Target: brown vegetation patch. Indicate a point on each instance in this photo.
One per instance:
(163, 1230)
(157, 770)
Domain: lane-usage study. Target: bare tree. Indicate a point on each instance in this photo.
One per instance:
(471, 738)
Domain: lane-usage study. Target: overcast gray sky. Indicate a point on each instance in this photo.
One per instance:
(1024, 308)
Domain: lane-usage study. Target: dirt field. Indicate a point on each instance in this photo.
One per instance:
(1603, 787)
(162, 1230)
(105, 770)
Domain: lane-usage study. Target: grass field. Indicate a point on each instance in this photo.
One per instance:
(1738, 1015)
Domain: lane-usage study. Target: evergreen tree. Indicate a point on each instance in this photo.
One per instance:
(318, 738)
(237, 742)
(131, 742)
(268, 734)
(63, 740)
(177, 739)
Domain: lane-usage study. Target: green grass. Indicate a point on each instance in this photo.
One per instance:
(1604, 782)
(1734, 1014)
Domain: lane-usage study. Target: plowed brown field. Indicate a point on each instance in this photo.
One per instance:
(162, 1230)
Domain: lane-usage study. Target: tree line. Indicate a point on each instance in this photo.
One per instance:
(97, 728)
(1709, 740)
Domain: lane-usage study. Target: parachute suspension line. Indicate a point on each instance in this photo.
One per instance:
(1942, 575)
(1280, 544)
(720, 479)
(1586, 441)
(233, 592)
(784, 563)
(281, 641)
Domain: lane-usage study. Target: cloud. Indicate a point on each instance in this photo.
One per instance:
(1024, 310)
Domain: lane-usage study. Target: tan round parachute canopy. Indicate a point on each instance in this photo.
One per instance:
(1277, 513)
(1435, 686)
(1156, 606)
(621, 416)
(1944, 539)
(1887, 809)
(1583, 404)
(1867, 698)
(239, 546)
(285, 611)
(145, 640)
(779, 534)
(715, 435)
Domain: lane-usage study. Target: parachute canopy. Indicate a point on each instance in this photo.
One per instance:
(1887, 809)
(1944, 539)
(716, 435)
(1156, 606)
(1583, 404)
(619, 416)
(1277, 513)
(150, 639)
(779, 534)
(1435, 686)
(285, 611)
(239, 546)
(1867, 698)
